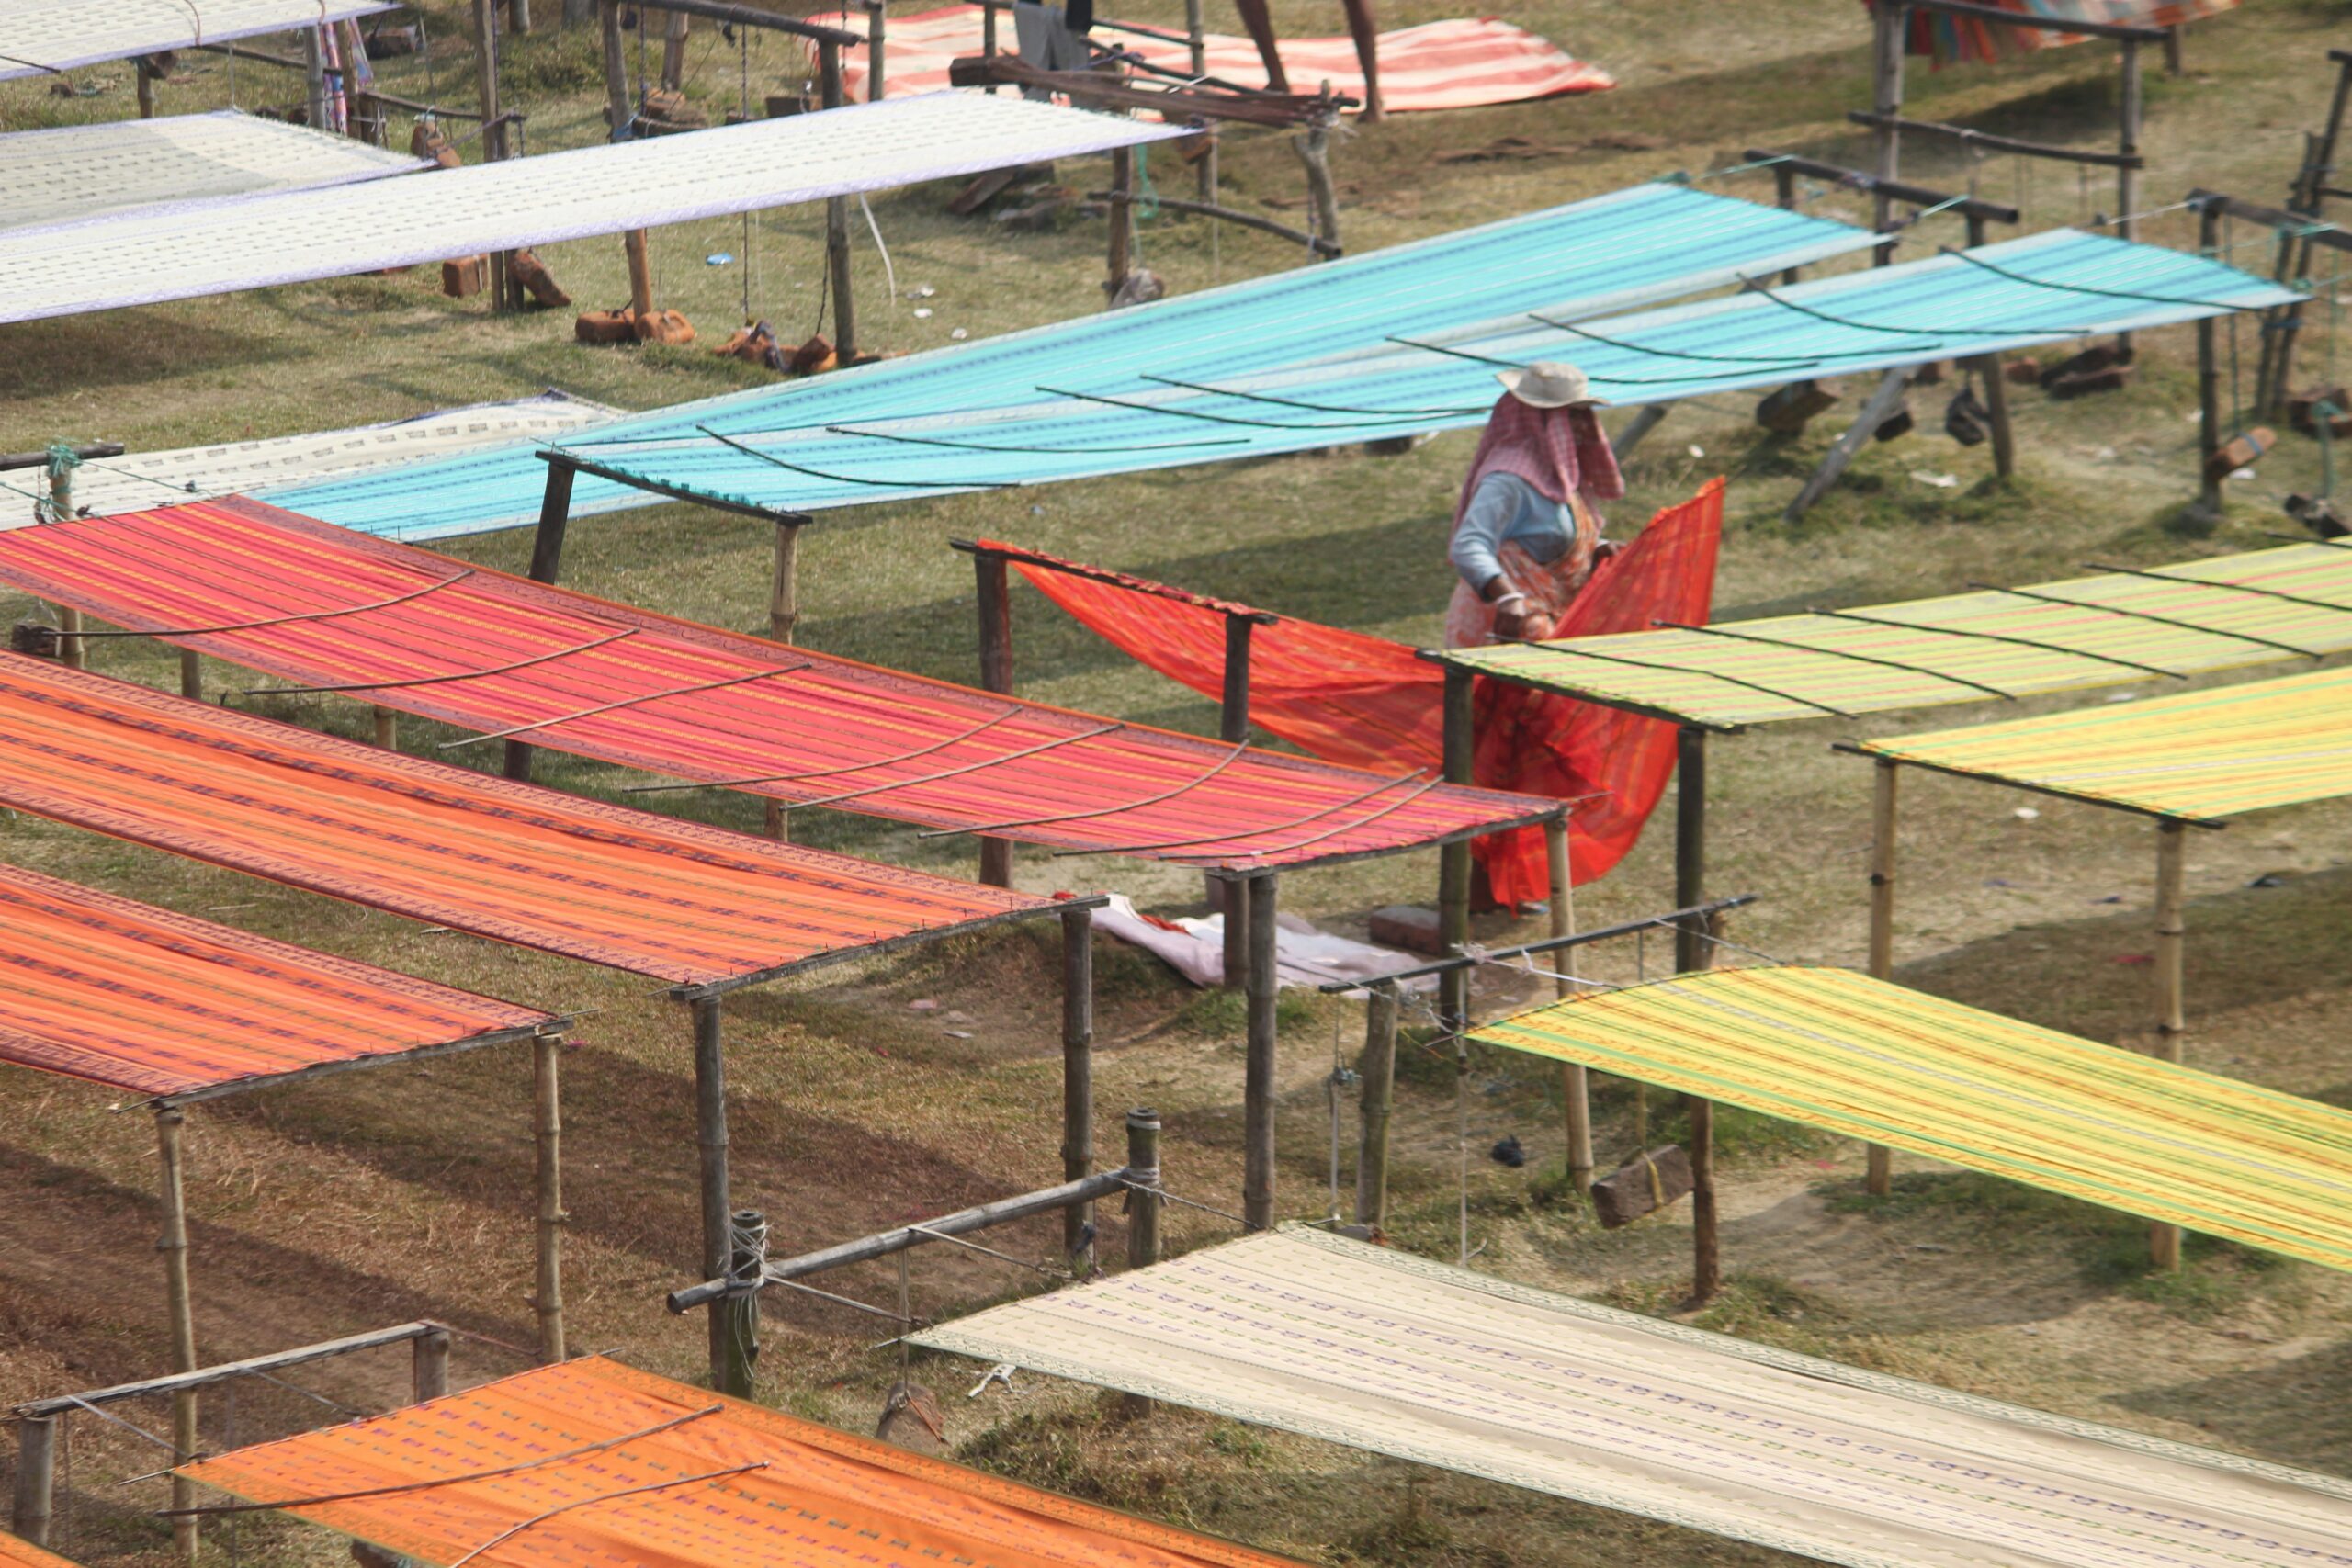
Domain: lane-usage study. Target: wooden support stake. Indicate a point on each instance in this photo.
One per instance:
(1453, 859)
(146, 77)
(428, 1366)
(1078, 1081)
(519, 17)
(1645, 419)
(181, 1308)
(1880, 1182)
(710, 1118)
(1997, 408)
(1706, 1247)
(674, 50)
(1233, 717)
(1891, 23)
(1196, 38)
(735, 1319)
(1313, 146)
(36, 1495)
(502, 292)
(1691, 845)
(388, 729)
(2127, 174)
(2176, 64)
(996, 675)
(877, 30)
(2172, 841)
(191, 675)
(72, 651)
(1576, 1085)
(1784, 196)
(547, 1128)
(828, 62)
(1258, 1092)
(1875, 413)
(2208, 380)
(622, 114)
(784, 620)
(1122, 218)
(1376, 1092)
(1143, 1211)
(315, 91)
(2319, 159)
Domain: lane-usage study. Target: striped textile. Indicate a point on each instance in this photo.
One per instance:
(703, 909)
(1950, 39)
(17, 1553)
(1618, 252)
(140, 481)
(1138, 405)
(41, 35)
(946, 757)
(711, 1482)
(2185, 619)
(72, 172)
(2201, 756)
(1378, 1349)
(1465, 62)
(141, 998)
(1870, 1059)
(255, 242)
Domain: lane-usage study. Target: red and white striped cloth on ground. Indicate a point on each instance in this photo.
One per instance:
(1463, 63)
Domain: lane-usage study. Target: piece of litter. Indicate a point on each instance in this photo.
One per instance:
(2192, 416)
(922, 312)
(2104, 454)
(959, 334)
(2123, 696)
(718, 258)
(925, 1005)
(1037, 512)
(1696, 450)
(959, 1033)
(2025, 814)
(922, 291)
(2241, 473)
(1941, 481)
(2110, 898)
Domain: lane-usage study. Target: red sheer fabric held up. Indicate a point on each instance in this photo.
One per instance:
(1370, 702)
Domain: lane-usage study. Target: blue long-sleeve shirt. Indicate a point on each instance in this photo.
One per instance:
(1507, 509)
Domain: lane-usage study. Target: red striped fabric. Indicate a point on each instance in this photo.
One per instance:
(1462, 63)
(119, 993)
(925, 751)
(673, 901)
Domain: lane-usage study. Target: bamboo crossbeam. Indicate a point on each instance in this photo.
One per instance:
(1992, 142)
(1814, 168)
(276, 1361)
(2303, 225)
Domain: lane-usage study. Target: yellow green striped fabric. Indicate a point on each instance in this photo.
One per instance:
(2201, 756)
(1870, 1059)
(2110, 628)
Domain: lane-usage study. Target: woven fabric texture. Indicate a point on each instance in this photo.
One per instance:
(1950, 40)
(1378, 1349)
(41, 36)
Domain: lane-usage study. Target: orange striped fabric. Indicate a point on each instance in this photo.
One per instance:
(17, 1553)
(135, 997)
(691, 701)
(702, 908)
(621, 1469)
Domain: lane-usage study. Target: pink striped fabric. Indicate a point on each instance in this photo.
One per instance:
(1454, 64)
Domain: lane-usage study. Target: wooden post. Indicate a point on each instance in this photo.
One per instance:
(1258, 1091)
(622, 113)
(1312, 147)
(1997, 408)
(1122, 217)
(494, 135)
(1880, 1179)
(2176, 64)
(1376, 1092)
(877, 29)
(674, 50)
(181, 1309)
(1875, 410)
(1143, 1208)
(1575, 1081)
(547, 564)
(2208, 380)
(1453, 859)
(1706, 1249)
(783, 620)
(191, 675)
(388, 729)
(1078, 1081)
(1230, 895)
(1233, 717)
(2127, 178)
(547, 1128)
(146, 78)
(519, 17)
(2172, 842)
(711, 1116)
(1691, 845)
(314, 89)
(428, 1366)
(1784, 195)
(735, 1319)
(2318, 165)
(35, 1501)
(72, 651)
(829, 59)
(996, 675)
(1891, 23)
(1196, 34)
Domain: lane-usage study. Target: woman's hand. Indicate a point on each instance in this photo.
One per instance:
(1514, 621)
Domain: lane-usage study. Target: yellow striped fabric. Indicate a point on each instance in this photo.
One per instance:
(2201, 756)
(1869, 1059)
(2179, 620)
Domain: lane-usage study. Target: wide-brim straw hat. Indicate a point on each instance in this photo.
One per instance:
(1549, 384)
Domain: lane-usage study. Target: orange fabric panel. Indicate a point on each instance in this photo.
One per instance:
(651, 894)
(19, 1553)
(487, 650)
(1371, 702)
(136, 997)
(817, 1498)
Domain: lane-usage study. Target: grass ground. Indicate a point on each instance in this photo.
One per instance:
(375, 1198)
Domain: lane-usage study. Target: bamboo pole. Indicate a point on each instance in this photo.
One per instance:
(1706, 1248)
(388, 729)
(2172, 841)
(1892, 22)
(877, 33)
(829, 71)
(2209, 378)
(1880, 1182)
(36, 1494)
(1576, 1080)
(622, 114)
(784, 620)
(314, 86)
(428, 1365)
(546, 1127)
(1196, 41)
(191, 675)
(1143, 1211)
(1258, 1091)
(146, 78)
(1233, 713)
(493, 136)
(996, 675)
(1453, 859)
(1376, 1078)
(735, 1318)
(1314, 149)
(1122, 217)
(674, 50)
(519, 17)
(181, 1309)
(710, 1119)
(1230, 895)
(1693, 952)
(72, 651)
(1078, 1081)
